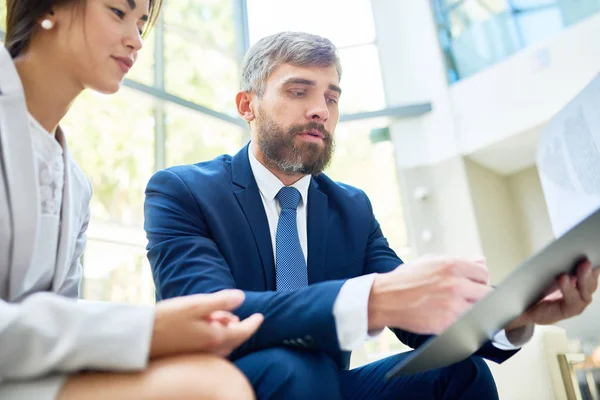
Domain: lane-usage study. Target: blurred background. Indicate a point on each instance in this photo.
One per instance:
(444, 102)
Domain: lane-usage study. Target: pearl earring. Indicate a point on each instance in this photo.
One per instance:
(47, 24)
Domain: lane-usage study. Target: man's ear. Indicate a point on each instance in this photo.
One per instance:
(245, 106)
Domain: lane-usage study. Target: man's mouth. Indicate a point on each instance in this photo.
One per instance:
(314, 133)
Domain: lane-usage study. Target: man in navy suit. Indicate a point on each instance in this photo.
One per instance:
(309, 253)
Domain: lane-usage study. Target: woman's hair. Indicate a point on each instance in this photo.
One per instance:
(22, 17)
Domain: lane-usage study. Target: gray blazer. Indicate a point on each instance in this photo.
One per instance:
(52, 332)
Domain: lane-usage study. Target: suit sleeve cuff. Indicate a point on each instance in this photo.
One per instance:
(350, 312)
(513, 340)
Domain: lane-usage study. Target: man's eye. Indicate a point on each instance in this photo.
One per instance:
(297, 93)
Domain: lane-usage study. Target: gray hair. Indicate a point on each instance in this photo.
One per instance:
(296, 48)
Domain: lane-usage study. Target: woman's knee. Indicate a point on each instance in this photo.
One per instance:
(186, 377)
(202, 377)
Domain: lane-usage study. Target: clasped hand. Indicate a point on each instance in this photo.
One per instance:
(201, 323)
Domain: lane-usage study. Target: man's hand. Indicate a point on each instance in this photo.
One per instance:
(573, 295)
(428, 295)
(201, 323)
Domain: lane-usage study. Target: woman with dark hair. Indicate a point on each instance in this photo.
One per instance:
(51, 345)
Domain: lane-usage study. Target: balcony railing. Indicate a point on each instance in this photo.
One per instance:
(476, 34)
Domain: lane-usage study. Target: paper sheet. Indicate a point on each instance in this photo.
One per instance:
(568, 160)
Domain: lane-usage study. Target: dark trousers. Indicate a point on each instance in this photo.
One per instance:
(283, 373)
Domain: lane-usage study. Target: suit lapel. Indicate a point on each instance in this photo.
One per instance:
(19, 169)
(248, 196)
(65, 239)
(317, 233)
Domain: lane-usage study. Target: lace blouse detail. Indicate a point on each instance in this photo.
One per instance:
(50, 166)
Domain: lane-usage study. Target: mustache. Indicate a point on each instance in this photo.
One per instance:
(296, 129)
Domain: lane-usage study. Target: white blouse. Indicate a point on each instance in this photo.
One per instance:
(48, 156)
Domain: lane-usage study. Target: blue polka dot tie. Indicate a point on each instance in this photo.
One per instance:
(290, 266)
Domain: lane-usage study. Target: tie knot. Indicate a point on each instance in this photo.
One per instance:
(288, 197)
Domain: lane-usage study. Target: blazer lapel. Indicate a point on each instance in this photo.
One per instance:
(19, 169)
(65, 239)
(316, 231)
(248, 196)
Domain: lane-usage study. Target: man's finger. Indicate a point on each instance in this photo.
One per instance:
(227, 300)
(475, 271)
(479, 260)
(473, 291)
(571, 297)
(553, 288)
(586, 282)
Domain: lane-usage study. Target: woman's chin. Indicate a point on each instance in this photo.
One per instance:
(108, 87)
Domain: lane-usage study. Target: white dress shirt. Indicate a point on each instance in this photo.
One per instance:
(350, 309)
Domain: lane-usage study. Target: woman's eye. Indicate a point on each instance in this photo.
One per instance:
(118, 12)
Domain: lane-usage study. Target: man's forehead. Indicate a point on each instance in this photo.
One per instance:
(285, 73)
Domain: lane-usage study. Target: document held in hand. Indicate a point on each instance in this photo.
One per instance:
(569, 167)
(568, 161)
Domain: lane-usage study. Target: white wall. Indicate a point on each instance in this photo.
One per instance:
(447, 211)
(413, 71)
(530, 209)
(496, 219)
(525, 90)
(511, 214)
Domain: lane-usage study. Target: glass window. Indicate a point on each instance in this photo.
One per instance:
(477, 34)
(469, 13)
(361, 82)
(352, 31)
(371, 167)
(200, 58)
(200, 74)
(344, 22)
(527, 4)
(3, 18)
(194, 137)
(143, 69)
(112, 139)
(538, 24)
(116, 269)
(208, 23)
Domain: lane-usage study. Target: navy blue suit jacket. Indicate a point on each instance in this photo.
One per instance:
(207, 231)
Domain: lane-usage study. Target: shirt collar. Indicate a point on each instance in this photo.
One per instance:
(269, 185)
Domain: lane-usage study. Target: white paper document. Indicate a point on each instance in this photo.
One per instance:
(568, 163)
(568, 160)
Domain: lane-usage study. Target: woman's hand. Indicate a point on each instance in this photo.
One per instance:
(201, 323)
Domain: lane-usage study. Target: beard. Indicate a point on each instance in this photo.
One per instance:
(281, 151)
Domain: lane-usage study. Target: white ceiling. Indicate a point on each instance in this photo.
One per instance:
(509, 155)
